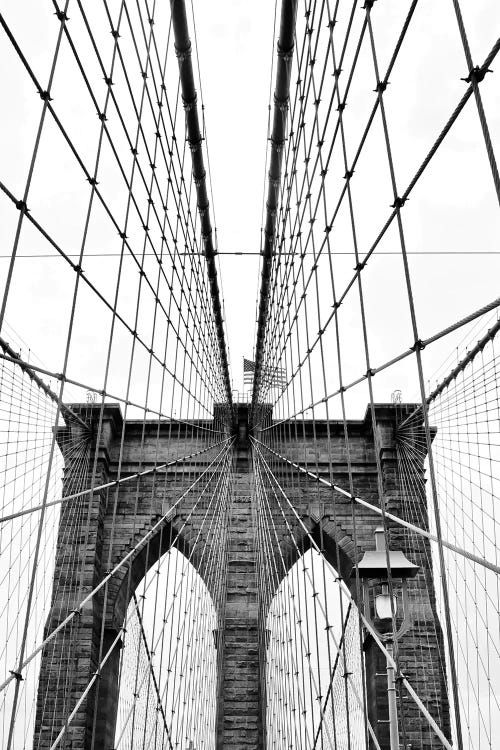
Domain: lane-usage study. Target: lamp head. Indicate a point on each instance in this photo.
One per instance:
(377, 566)
(373, 564)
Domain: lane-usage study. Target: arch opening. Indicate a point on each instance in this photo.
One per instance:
(168, 668)
(314, 694)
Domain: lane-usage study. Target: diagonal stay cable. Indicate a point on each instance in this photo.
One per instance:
(366, 623)
(137, 547)
(401, 522)
(107, 394)
(400, 200)
(28, 370)
(394, 360)
(113, 483)
(195, 139)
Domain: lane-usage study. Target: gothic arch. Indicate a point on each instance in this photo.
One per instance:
(158, 614)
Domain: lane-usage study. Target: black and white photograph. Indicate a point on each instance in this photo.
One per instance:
(249, 375)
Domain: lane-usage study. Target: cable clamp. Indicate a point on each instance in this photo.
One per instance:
(45, 96)
(477, 74)
(277, 144)
(61, 15)
(349, 173)
(122, 235)
(115, 33)
(331, 24)
(368, 4)
(183, 54)
(195, 143)
(190, 104)
(418, 346)
(108, 81)
(102, 116)
(370, 373)
(341, 107)
(381, 87)
(398, 202)
(284, 54)
(271, 209)
(21, 206)
(92, 181)
(359, 266)
(17, 675)
(198, 180)
(134, 151)
(281, 103)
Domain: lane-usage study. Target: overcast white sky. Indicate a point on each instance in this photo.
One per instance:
(453, 209)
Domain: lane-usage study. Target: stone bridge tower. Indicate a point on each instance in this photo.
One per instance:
(239, 722)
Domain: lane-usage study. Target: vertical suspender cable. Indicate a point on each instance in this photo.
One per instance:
(281, 99)
(195, 139)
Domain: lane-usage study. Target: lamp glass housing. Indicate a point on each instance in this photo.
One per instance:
(383, 608)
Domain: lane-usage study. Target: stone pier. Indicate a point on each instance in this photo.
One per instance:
(109, 530)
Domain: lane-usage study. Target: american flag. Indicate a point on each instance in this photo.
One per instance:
(248, 371)
(274, 378)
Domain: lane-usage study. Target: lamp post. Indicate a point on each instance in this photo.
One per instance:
(375, 568)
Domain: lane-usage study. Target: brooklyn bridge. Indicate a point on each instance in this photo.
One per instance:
(249, 465)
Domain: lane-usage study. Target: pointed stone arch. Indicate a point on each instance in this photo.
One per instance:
(115, 524)
(119, 527)
(152, 621)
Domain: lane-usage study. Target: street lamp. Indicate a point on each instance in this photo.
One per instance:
(379, 609)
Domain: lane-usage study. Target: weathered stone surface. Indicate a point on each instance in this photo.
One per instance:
(111, 524)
